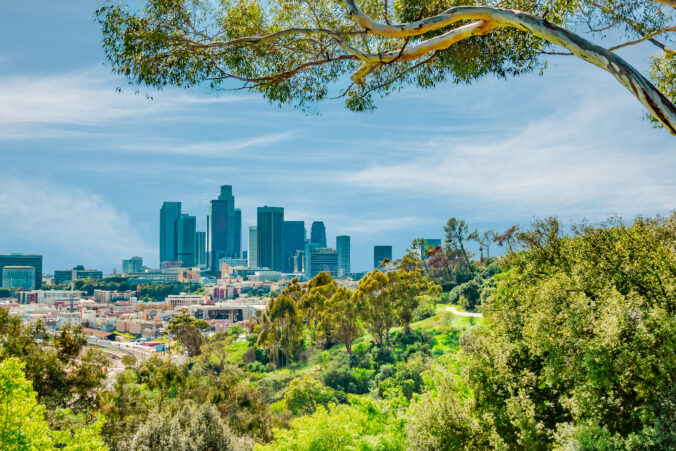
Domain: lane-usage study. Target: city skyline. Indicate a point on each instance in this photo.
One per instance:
(95, 164)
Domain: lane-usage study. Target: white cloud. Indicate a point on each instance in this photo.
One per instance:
(211, 147)
(87, 97)
(587, 160)
(68, 221)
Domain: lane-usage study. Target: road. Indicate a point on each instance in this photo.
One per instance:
(454, 310)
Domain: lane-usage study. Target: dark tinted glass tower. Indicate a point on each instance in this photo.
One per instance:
(323, 260)
(201, 248)
(270, 231)
(318, 233)
(169, 214)
(380, 253)
(223, 223)
(186, 226)
(294, 240)
(23, 260)
(343, 248)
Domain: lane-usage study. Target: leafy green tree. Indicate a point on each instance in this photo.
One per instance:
(301, 52)
(577, 342)
(379, 313)
(22, 419)
(304, 395)
(342, 316)
(406, 286)
(457, 234)
(188, 331)
(281, 331)
(313, 305)
(190, 428)
(162, 375)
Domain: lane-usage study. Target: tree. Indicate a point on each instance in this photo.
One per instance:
(576, 347)
(342, 314)
(378, 312)
(507, 237)
(485, 240)
(304, 395)
(406, 285)
(161, 375)
(281, 331)
(190, 428)
(457, 234)
(188, 331)
(22, 419)
(299, 52)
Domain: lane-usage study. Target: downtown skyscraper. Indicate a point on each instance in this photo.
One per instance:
(343, 248)
(318, 233)
(186, 239)
(224, 228)
(169, 214)
(270, 232)
(294, 241)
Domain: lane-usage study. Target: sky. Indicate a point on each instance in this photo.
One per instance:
(84, 169)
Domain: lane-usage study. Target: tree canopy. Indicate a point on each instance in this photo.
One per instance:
(305, 51)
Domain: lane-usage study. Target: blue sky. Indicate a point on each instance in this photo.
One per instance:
(84, 169)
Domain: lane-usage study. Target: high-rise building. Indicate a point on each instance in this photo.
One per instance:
(132, 265)
(380, 253)
(223, 222)
(18, 277)
(201, 248)
(294, 240)
(253, 247)
(323, 259)
(23, 260)
(307, 257)
(169, 214)
(318, 233)
(186, 236)
(343, 248)
(271, 238)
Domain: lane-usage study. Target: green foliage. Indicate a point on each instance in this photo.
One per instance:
(22, 419)
(364, 423)
(190, 428)
(188, 331)
(304, 395)
(577, 344)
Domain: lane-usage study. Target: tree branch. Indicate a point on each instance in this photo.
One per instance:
(647, 37)
(649, 96)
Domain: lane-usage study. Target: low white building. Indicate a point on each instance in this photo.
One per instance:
(185, 300)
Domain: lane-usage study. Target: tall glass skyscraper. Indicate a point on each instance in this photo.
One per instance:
(270, 227)
(343, 248)
(294, 240)
(318, 233)
(223, 222)
(132, 265)
(201, 248)
(253, 247)
(380, 253)
(169, 214)
(323, 259)
(185, 228)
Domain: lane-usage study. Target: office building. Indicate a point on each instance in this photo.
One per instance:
(270, 234)
(18, 277)
(318, 233)
(380, 253)
(132, 265)
(67, 276)
(224, 225)
(169, 214)
(307, 257)
(323, 259)
(186, 236)
(294, 240)
(23, 260)
(253, 247)
(343, 248)
(201, 248)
